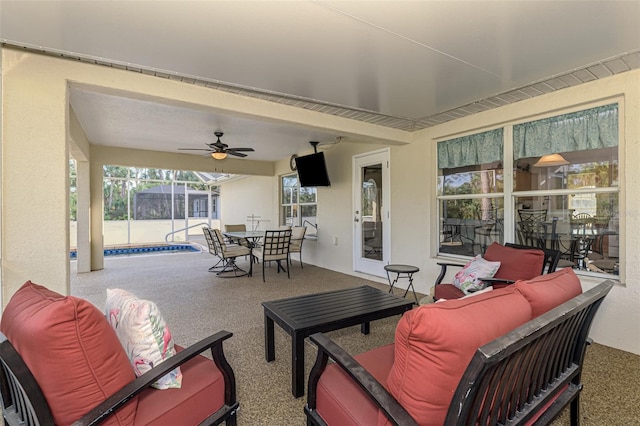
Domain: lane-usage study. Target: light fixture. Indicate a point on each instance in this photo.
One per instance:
(219, 155)
(551, 160)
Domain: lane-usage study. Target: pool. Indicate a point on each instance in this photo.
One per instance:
(126, 251)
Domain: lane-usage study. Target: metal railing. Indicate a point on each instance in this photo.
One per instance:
(166, 237)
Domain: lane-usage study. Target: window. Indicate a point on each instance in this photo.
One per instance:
(298, 205)
(563, 193)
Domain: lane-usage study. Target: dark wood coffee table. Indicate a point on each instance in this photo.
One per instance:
(321, 312)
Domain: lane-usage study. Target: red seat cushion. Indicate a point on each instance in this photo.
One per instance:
(447, 291)
(71, 350)
(201, 394)
(340, 401)
(515, 264)
(435, 343)
(548, 291)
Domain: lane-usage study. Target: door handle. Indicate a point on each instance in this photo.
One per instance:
(355, 219)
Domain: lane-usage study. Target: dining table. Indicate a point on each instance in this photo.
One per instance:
(251, 236)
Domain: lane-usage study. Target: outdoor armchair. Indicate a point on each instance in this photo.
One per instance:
(517, 262)
(63, 363)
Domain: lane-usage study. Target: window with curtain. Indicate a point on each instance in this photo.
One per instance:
(471, 192)
(565, 187)
(298, 204)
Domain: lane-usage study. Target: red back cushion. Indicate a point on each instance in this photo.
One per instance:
(71, 350)
(435, 343)
(515, 264)
(548, 291)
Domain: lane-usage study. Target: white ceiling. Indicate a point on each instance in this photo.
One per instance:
(402, 64)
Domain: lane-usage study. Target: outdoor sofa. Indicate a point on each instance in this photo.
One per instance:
(507, 356)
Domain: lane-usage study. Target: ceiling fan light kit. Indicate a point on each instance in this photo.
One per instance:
(219, 150)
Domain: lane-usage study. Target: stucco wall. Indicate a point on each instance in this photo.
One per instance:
(250, 196)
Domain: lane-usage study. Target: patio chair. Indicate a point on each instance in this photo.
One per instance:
(490, 228)
(517, 262)
(536, 215)
(297, 238)
(229, 253)
(275, 248)
(91, 379)
(212, 249)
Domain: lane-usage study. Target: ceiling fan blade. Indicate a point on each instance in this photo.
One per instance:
(237, 154)
(193, 149)
(241, 149)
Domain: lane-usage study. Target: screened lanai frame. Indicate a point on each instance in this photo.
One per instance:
(602, 192)
(198, 189)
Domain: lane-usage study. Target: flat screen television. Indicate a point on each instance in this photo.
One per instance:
(312, 170)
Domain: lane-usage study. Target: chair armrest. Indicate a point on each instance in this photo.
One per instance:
(102, 411)
(443, 270)
(377, 393)
(497, 281)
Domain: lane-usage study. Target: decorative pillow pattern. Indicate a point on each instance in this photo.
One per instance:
(468, 278)
(71, 350)
(143, 333)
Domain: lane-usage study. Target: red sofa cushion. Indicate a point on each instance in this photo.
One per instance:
(340, 401)
(435, 343)
(71, 350)
(550, 290)
(201, 394)
(515, 264)
(447, 291)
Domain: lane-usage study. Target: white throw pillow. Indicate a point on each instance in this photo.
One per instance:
(468, 278)
(143, 333)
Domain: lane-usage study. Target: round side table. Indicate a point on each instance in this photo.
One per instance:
(402, 271)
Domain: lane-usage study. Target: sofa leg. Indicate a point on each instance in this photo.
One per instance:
(575, 411)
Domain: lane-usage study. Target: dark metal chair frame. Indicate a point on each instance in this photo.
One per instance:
(276, 243)
(24, 404)
(532, 370)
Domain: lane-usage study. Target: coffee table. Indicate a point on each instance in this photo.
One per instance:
(322, 312)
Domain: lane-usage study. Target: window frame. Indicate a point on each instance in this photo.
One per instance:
(509, 194)
(296, 205)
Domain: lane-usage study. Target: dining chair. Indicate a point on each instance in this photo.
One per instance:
(275, 247)
(532, 233)
(490, 228)
(212, 249)
(229, 253)
(582, 237)
(535, 215)
(297, 238)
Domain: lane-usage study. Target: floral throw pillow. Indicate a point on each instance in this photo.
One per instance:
(468, 278)
(143, 333)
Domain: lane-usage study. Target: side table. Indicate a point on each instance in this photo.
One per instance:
(402, 271)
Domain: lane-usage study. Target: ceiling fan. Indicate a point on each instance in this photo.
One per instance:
(219, 150)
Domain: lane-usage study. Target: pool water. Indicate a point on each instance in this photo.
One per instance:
(126, 251)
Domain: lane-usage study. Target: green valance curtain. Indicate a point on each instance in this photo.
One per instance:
(593, 128)
(480, 148)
